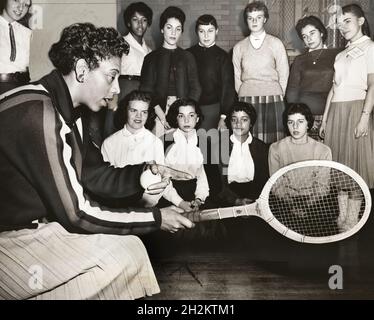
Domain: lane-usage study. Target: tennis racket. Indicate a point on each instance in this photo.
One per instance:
(309, 201)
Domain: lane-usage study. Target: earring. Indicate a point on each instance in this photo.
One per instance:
(80, 78)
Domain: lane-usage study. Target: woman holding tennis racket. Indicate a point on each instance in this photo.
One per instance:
(348, 120)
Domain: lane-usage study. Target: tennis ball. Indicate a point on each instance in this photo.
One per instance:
(147, 178)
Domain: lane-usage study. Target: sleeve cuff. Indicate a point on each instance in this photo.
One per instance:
(157, 215)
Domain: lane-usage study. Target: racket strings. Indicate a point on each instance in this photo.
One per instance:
(317, 201)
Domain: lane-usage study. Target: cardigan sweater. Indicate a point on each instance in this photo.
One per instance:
(41, 160)
(156, 73)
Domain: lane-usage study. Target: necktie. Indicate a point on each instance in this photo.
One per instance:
(12, 44)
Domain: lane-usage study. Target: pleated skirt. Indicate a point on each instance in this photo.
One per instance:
(269, 125)
(50, 263)
(357, 154)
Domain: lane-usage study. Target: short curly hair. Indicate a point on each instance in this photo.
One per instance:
(120, 115)
(313, 21)
(241, 106)
(205, 20)
(301, 108)
(139, 7)
(171, 117)
(256, 6)
(172, 12)
(85, 41)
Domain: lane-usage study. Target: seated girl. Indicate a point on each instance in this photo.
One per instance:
(314, 185)
(298, 146)
(134, 144)
(247, 170)
(182, 152)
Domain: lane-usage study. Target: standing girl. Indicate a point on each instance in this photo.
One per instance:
(137, 18)
(261, 73)
(312, 73)
(169, 72)
(216, 74)
(348, 120)
(15, 44)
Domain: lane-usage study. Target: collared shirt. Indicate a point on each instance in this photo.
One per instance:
(125, 148)
(257, 40)
(131, 64)
(22, 36)
(213, 44)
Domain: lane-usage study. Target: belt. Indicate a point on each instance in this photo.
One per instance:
(22, 77)
(128, 77)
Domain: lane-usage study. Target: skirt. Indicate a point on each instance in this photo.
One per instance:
(50, 263)
(357, 154)
(269, 125)
(211, 116)
(316, 101)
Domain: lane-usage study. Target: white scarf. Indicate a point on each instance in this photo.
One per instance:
(184, 154)
(241, 166)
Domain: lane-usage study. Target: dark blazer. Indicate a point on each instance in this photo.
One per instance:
(259, 151)
(156, 71)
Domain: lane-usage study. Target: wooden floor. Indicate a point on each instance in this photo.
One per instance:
(208, 270)
(212, 276)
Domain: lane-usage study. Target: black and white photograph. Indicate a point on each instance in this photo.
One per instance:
(198, 151)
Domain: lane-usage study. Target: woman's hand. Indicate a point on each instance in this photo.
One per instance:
(185, 206)
(222, 124)
(196, 204)
(362, 128)
(322, 129)
(166, 173)
(243, 201)
(165, 124)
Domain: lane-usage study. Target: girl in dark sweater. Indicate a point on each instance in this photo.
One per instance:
(216, 74)
(169, 72)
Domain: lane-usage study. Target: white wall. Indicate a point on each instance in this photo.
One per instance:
(51, 16)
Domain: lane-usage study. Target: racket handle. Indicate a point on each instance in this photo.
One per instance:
(200, 216)
(222, 213)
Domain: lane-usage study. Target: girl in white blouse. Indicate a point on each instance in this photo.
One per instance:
(182, 152)
(134, 144)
